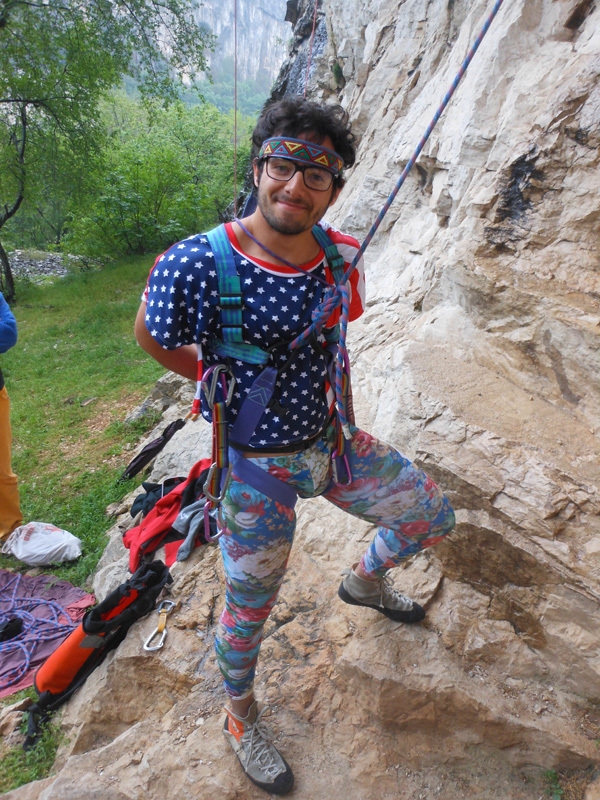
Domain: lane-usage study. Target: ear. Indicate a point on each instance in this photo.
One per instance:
(256, 168)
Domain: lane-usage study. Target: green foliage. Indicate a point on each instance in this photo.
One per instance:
(251, 94)
(73, 376)
(19, 766)
(59, 178)
(338, 74)
(60, 58)
(553, 789)
(168, 173)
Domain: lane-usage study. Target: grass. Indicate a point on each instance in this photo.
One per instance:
(567, 785)
(18, 766)
(73, 376)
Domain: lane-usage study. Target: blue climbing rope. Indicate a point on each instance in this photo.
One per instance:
(424, 138)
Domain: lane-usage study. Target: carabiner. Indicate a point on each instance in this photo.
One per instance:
(161, 631)
(220, 529)
(223, 488)
(210, 391)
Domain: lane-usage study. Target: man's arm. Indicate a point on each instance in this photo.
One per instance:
(183, 360)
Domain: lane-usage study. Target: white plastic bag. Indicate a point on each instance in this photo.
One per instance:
(39, 543)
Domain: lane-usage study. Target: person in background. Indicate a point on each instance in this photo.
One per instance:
(10, 509)
(292, 445)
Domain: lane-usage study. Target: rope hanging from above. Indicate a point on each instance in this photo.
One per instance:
(425, 137)
(235, 107)
(310, 47)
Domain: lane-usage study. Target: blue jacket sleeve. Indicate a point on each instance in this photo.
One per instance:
(8, 326)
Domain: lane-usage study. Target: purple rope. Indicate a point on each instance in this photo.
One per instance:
(55, 627)
(424, 138)
(334, 296)
(278, 257)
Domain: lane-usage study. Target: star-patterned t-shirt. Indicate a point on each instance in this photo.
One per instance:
(182, 298)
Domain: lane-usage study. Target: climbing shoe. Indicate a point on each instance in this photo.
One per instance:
(381, 596)
(260, 759)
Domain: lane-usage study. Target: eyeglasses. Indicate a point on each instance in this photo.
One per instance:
(282, 169)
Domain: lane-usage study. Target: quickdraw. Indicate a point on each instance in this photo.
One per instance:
(218, 379)
(160, 633)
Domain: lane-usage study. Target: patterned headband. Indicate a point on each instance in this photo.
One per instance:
(299, 150)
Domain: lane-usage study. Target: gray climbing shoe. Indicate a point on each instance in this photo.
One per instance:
(260, 759)
(381, 596)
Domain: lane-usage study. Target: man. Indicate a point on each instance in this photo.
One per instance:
(296, 440)
(10, 511)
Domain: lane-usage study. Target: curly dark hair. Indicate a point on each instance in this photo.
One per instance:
(294, 116)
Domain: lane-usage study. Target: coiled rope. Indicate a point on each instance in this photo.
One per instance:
(54, 627)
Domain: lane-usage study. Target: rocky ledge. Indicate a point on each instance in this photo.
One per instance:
(37, 265)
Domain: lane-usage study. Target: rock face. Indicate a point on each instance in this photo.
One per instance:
(258, 32)
(478, 356)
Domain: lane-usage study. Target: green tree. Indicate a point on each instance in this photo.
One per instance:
(219, 90)
(58, 178)
(59, 59)
(168, 173)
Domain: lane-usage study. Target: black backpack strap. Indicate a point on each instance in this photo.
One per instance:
(133, 599)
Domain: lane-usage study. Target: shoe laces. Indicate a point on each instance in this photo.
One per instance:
(258, 746)
(392, 598)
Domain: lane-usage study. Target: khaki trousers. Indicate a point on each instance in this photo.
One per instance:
(10, 510)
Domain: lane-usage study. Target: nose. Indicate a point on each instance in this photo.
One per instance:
(296, 182)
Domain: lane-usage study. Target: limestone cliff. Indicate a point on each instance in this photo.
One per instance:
(255, 34)
(479, 357)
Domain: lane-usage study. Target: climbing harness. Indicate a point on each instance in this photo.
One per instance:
(156, 640)
(232, 344)
(219, 382)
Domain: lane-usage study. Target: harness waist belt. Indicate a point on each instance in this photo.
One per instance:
(262, 481)
(284, 449)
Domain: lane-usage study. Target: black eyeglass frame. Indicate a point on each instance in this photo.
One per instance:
(298, 167)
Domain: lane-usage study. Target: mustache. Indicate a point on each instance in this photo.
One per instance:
(282, 196)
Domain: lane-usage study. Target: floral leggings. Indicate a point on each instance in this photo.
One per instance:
(386, 489)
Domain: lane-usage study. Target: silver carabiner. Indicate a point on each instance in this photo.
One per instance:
(161, 630)
(211, 390)
(223, 488)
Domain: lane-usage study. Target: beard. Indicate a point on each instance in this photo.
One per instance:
(288, 225)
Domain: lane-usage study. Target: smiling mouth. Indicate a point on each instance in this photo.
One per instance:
(291, 204)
